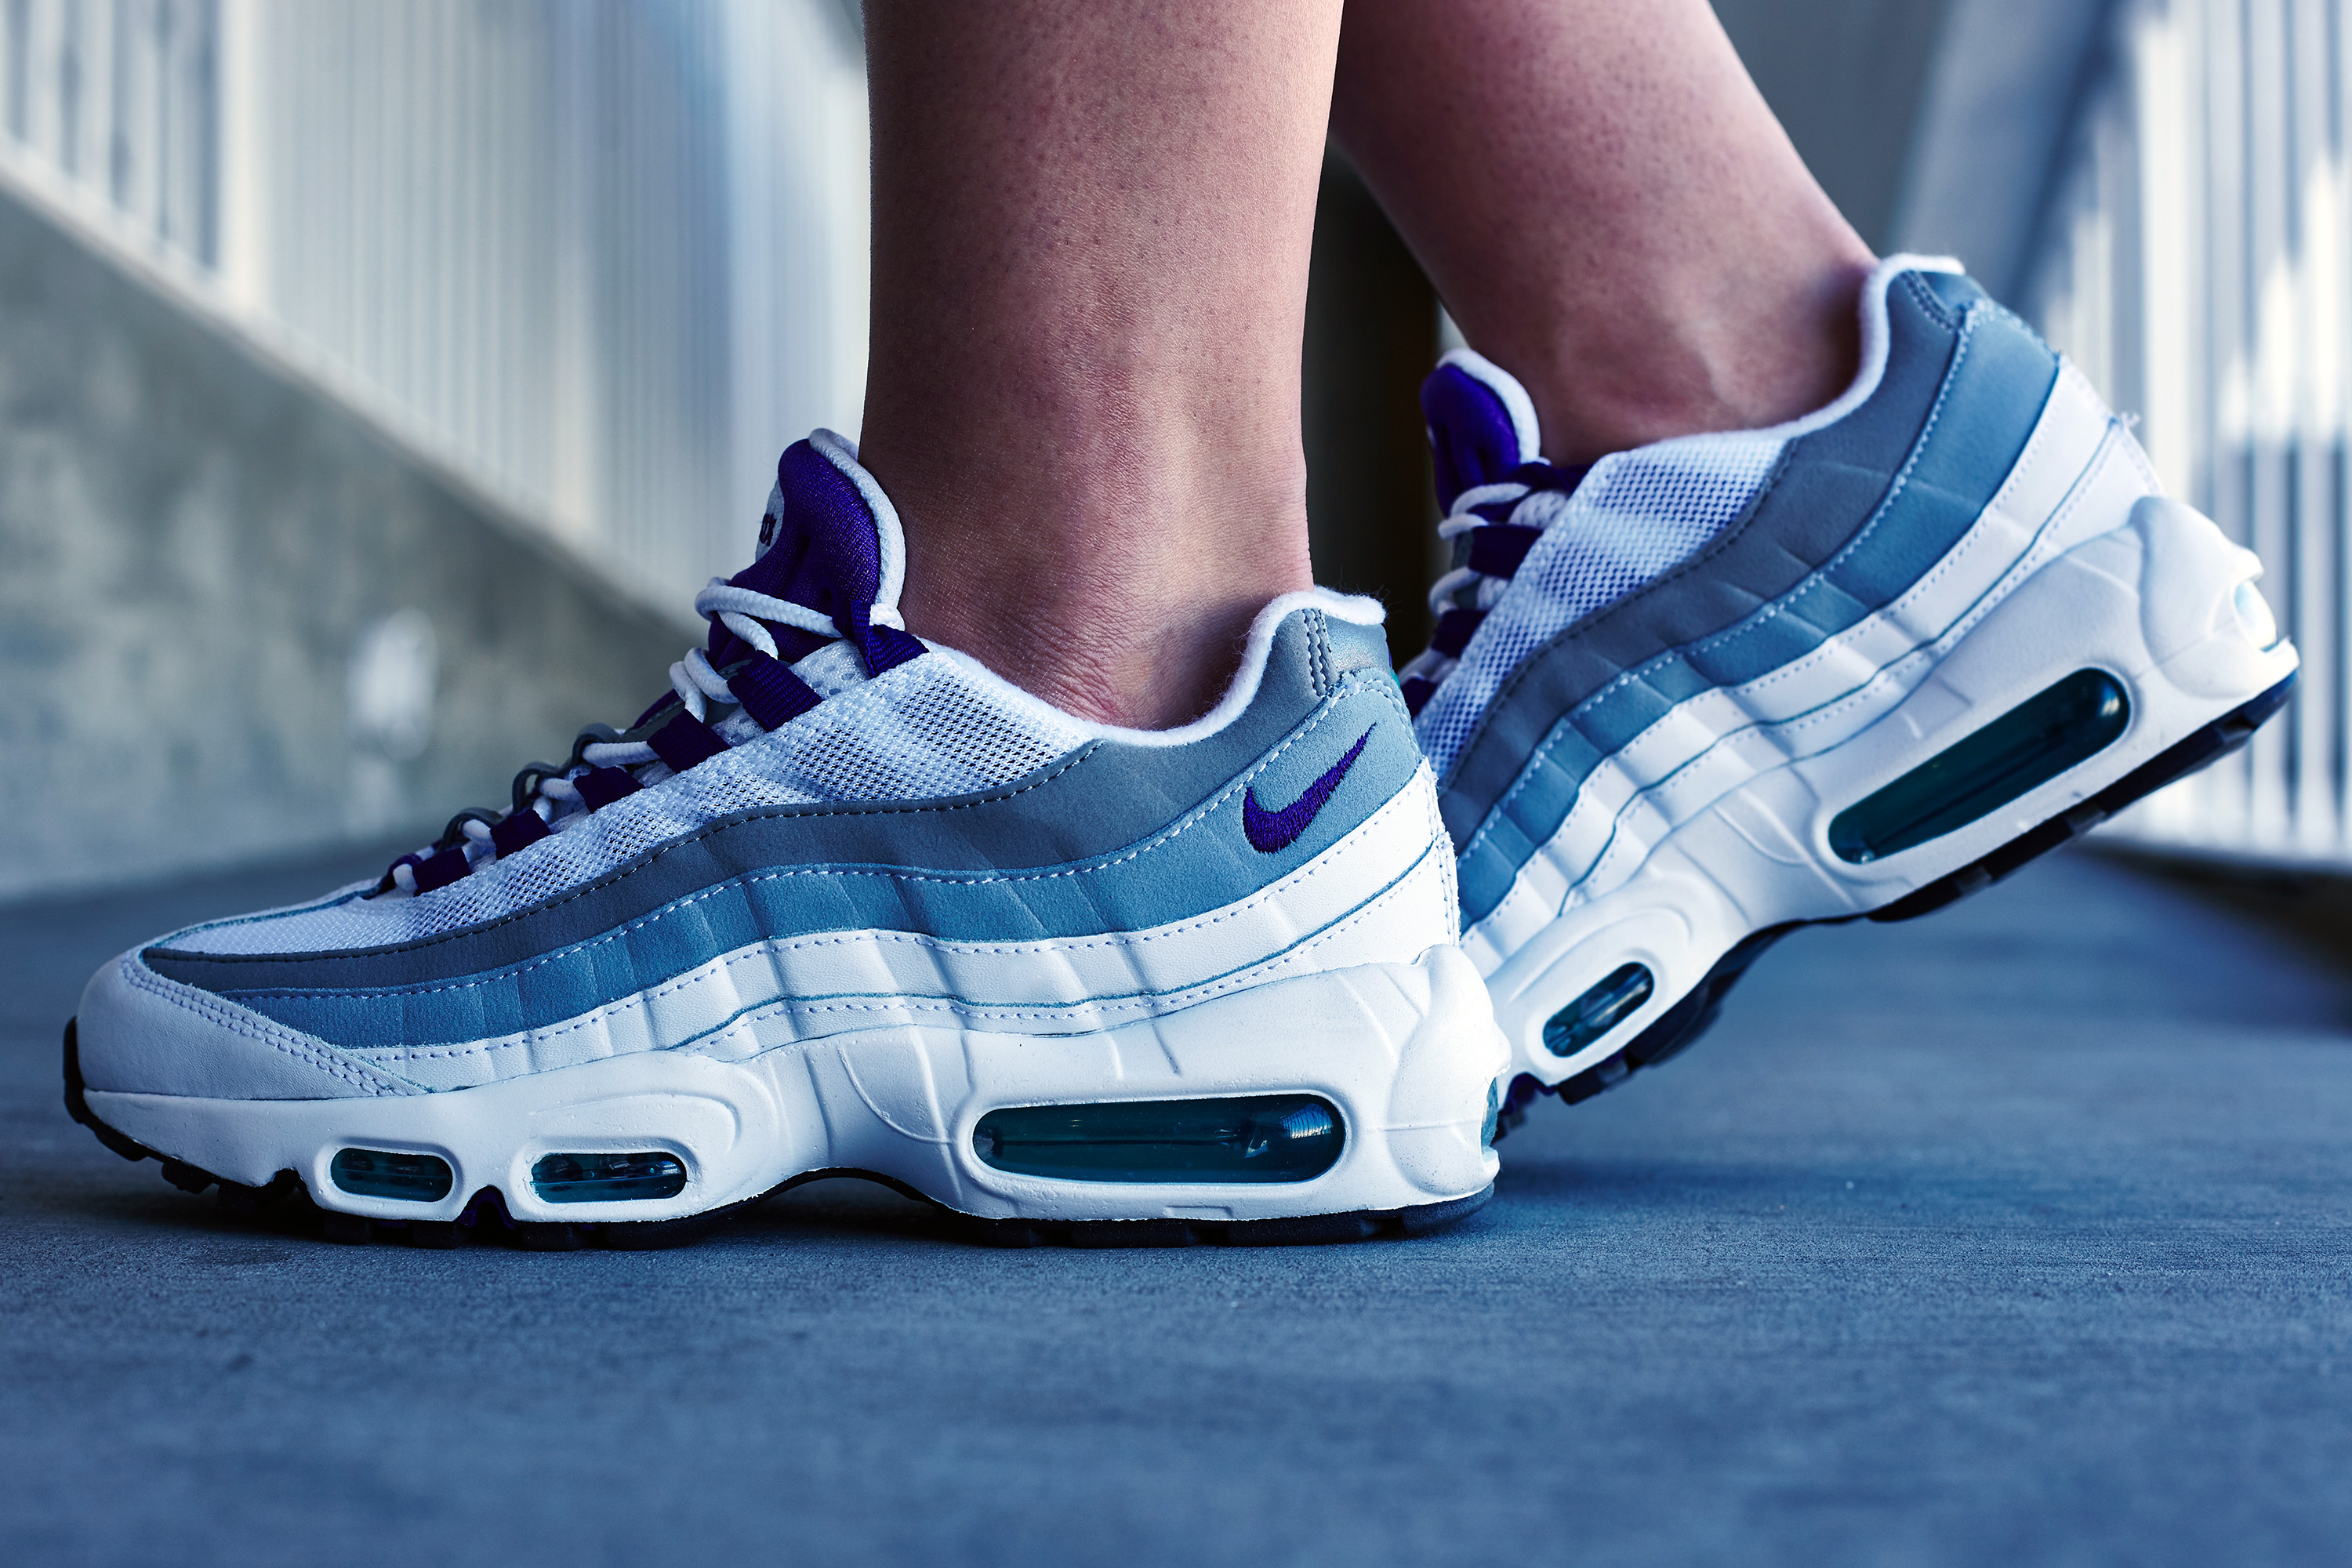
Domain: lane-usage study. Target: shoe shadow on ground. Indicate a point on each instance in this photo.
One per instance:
(1598, 1197)
(843, 1208)
(832, 1209)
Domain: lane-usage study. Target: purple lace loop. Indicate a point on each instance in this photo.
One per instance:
(600, 787)
(1455, 629)
(1498, 548)
(444, 860)
(392, 872)
(886, 647)
(685, 741)
(769, 691)
(793, 645)
(440, 868)
(517, 830)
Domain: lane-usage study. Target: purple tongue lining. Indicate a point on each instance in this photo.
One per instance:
(1470, 432)
(1474, 441)
(826, 552)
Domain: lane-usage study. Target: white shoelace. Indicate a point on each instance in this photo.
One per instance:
(556, 798)
(1529, 507)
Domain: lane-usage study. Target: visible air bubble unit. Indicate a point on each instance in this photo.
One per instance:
(608, 1178)
(2022, 750)
(1254, 1139)
(1599, 1010)
(2254, 615)
(383, 1173)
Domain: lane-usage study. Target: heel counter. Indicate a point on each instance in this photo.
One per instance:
(1441, 847)
(1355, 653)
(1421, 908)
(1355, 646)
(1963, 302)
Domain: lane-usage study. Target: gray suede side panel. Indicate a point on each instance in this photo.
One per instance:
(1829, 484)
(1112, 837)
(1191, 868)
(1996, 380)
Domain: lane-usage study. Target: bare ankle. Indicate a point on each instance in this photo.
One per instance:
(1114, 592)
(1145, 666)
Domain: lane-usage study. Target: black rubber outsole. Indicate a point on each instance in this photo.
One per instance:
(1308, 1230)
(287, 1203)
(1681, 1025)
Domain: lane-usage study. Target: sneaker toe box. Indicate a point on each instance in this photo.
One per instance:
(141, 1033)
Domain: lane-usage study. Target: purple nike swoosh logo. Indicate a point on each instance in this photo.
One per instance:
(1272, 831)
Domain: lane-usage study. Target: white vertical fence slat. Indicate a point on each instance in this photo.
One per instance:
(2196, 262)
(603, 258)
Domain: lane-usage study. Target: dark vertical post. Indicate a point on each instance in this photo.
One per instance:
(1372, 335)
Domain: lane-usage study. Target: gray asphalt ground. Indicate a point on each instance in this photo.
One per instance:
(2017, 1234)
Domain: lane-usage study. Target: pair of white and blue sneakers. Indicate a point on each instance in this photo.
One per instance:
(845, 901)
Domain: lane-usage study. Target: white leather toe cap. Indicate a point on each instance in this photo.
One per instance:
(141, 1034)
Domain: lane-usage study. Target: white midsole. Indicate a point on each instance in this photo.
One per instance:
(1405, 1051)
(1735, 839)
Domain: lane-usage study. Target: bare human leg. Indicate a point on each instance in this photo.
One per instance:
(1608, 209)
(1091, 236)
(1091, 228)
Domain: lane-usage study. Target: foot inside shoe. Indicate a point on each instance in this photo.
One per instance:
(1859, 664)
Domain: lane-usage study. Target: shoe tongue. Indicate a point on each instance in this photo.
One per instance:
(1482, 424)
(830, 541)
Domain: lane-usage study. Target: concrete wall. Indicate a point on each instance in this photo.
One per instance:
(194, 547)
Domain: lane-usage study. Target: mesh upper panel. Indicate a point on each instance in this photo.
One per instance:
(917, 732)
(1634, 516)
(932, 734)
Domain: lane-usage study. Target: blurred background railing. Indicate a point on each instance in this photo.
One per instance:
(2192, 258)
(599, 257)
(439, 349)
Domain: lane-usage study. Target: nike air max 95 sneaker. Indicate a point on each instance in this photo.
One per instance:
(1705, 690)
(845, 901)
